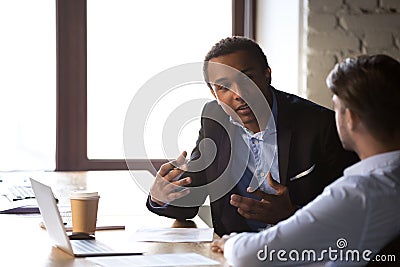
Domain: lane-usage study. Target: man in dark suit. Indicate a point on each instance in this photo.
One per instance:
(251, 184)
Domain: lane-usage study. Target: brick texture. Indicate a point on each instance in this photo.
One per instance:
(341, 28)
(391, 4)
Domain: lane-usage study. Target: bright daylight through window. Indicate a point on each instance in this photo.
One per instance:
(136, 41)
(28, 85)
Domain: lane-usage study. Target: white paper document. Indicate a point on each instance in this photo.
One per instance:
(176, 259)
(174, 234)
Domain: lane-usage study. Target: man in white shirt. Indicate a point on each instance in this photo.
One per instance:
(358, 214)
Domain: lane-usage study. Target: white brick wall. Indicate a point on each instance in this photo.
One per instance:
(342, 28)
(395, 4)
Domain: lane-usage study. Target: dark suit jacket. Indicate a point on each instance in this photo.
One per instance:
(306, 135)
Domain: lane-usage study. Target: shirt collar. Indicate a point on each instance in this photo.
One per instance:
(373, 163)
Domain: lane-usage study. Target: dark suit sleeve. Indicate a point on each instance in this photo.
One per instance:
(179, 213)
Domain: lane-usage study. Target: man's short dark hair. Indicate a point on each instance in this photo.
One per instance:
(233, 44)
(370, 87)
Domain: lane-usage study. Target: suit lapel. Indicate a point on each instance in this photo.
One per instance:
(284, 131)
(223, 158)
(283, 153)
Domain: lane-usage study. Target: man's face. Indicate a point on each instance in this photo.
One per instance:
(342, 126)
(240, 88)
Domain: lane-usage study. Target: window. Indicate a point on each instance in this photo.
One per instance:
(44, 93)
(27, 85)
(73, 76)
(284, 50)
(138, 40)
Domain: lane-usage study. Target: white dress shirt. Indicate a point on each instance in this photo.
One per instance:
(355, 215)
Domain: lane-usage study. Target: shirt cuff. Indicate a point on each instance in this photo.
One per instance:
(154, 205)
(229, 251)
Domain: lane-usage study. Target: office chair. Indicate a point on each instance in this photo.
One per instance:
(205, 214)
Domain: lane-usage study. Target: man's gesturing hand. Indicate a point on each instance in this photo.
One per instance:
(272, 208)
(165, 189)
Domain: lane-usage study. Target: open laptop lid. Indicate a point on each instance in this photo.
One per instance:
(55, 227)
(51, 216)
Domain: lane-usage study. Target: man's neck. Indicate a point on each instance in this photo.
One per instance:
(368, 147)
(253, 127)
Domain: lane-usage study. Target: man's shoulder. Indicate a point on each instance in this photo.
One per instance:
(285, 98)
(297, 105)
(212, 106)
(212, 110)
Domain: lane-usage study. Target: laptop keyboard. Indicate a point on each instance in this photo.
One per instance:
(86, 246)
(19, 192)
(66, 216)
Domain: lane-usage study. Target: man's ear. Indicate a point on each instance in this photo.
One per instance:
(268, 75)
(352, 119)
(213, 93)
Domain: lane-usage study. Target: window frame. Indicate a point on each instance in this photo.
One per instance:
(71, 49)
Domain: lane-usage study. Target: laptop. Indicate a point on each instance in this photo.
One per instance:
(16, 196)
(55, 227)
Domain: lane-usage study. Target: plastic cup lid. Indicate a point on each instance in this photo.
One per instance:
(84, 194)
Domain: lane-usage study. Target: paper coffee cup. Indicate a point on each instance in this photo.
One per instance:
(84, 206)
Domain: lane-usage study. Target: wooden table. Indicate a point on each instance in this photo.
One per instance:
(24, 243)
